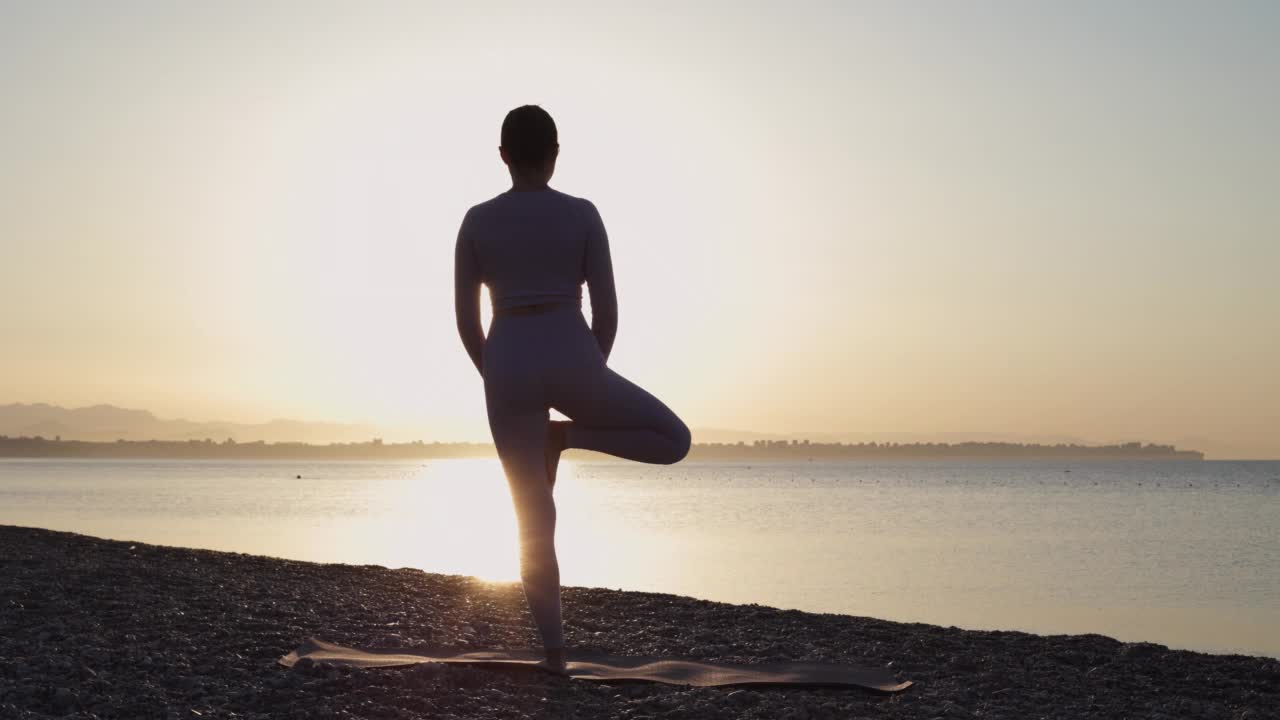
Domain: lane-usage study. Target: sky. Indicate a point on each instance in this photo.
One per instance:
(1026, 219)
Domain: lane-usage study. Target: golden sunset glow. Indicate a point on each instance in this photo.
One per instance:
(840, 218)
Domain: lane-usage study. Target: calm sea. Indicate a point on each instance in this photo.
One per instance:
(1182, 553)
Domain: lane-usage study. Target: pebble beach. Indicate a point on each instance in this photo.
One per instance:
(94, 628)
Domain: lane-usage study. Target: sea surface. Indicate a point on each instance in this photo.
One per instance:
(1186, 554)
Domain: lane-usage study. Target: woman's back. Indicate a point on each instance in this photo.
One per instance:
(538, 246)
(533, 247)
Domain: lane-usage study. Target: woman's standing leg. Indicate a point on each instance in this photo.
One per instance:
(521, 444)
(518, 420)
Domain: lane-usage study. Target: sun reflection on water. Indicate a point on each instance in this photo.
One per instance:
(456, 516)
(451, 516)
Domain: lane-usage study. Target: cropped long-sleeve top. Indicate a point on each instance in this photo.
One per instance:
(530, 247)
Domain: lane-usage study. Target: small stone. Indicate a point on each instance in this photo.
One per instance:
(1141, 649)
(188, 682)
(63, 700)
(425, 671)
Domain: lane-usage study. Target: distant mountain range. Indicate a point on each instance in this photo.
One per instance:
(109, 423)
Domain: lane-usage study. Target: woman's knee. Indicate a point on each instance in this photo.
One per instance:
(681, 439)
(538, 556)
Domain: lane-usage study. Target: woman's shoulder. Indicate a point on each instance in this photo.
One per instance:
(580, 204)
(553, 195)
(504, 200)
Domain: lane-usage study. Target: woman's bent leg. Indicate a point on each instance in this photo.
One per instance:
(613, 415)
(521, 443)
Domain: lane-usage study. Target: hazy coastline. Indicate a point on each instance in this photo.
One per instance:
(376, 449)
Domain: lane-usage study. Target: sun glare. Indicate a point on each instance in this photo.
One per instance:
(455, 516)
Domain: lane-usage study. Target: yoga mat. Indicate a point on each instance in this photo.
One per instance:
(599, 667)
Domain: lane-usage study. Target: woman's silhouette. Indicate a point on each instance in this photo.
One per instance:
(534, 247)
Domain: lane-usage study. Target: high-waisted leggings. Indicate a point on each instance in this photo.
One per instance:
(551, 360)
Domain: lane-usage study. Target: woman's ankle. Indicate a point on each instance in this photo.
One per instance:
(555, 656)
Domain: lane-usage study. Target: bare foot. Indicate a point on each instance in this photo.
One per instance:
(560, 669)
(554, 661)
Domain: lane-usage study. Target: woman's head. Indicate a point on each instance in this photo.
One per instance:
(529, 143)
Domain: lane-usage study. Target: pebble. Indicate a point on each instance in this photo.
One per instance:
(63, 700)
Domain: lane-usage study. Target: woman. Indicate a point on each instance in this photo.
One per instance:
(534, 247)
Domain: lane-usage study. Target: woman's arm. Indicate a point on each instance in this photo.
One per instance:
(599, 273)
(466, 295)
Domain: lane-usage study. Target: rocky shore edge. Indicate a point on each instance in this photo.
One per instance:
(93, 628)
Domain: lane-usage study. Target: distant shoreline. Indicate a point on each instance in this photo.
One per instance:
(208, 449)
